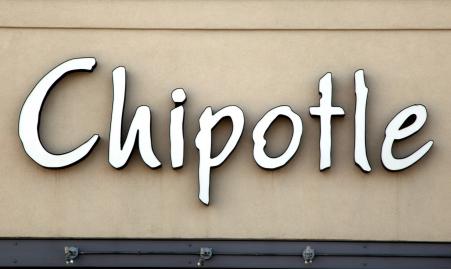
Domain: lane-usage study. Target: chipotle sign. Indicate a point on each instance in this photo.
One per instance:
(404, 124)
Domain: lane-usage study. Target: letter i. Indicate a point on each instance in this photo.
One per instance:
(176, 128)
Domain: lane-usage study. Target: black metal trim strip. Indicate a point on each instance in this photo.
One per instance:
(224, 253)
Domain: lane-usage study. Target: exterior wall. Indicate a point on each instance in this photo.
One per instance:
(254, 54)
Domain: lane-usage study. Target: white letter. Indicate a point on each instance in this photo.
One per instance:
(361, 93)
(396, 131)
(30, 115)
(207, 122)
(176, 128)
(259, 138)
(140, 126)
(325, 111)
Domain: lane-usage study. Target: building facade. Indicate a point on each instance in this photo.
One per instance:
(251, 186)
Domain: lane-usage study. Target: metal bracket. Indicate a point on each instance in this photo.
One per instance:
(70, 254)
(205, 254)
(308, 254)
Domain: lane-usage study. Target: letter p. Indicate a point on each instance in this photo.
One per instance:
(207, 122)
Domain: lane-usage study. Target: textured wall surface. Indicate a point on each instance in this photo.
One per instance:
(254, 54)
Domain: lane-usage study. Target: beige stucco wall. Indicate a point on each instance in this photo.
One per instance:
(255, 54)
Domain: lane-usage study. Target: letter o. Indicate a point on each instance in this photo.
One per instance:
(258, 135)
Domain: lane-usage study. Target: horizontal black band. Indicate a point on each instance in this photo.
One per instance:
(223, 253)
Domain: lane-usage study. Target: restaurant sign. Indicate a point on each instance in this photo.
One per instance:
(406, 123)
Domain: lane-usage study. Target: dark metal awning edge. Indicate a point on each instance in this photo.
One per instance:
(186, 253)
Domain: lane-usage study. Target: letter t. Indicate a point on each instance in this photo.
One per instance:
(325, 111)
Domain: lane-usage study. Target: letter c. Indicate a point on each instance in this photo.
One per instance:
(30, 115)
